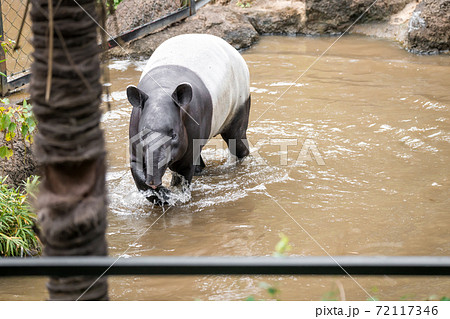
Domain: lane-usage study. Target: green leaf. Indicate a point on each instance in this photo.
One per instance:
(5, 152)
(330, 296)
(5, 121)
(282, 246)
(271, 290)
(30, 121)
(5, 100)
(29, 138)
(9, 136)
(12, 127)
(24, 130)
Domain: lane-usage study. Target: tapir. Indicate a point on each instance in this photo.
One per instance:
(193, 87)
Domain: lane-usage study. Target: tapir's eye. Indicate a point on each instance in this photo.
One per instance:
(174, 136)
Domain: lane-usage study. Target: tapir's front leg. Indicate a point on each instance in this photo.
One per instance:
(160, 196)
(199, 168)
(183, 175)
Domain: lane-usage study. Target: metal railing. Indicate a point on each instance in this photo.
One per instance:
(17, 63)
(320, 265)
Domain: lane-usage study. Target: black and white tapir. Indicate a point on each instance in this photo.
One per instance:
(194, 87)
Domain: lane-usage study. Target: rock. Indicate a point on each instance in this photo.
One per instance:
(396, 28)
(429, 27)
(133, 13)
(216, 19)
(20, 166)
(335, 16)
(427, 31)
(281, 17)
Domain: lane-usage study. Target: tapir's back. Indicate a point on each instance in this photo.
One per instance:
(221, 68)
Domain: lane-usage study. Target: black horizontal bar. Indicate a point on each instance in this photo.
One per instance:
(353, 265)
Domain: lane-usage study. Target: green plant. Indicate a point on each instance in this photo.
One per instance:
(271, 290)
(113, 3)
(6, 46)
(244, 3)
(283, 246)
(437, 298)
(1, 73)
(332, 295)
(407, 297)
(17, 237)
(15, 123)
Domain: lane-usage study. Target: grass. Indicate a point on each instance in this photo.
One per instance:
(17, 237)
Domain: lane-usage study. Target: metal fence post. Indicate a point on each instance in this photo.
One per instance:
(3, 79)
(192, 8)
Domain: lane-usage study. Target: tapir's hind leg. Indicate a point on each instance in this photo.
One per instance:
(235, 134)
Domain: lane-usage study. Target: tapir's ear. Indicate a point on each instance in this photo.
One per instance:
(182, 94)
(136, 96)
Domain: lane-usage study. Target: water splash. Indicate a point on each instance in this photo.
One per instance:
(171, 195)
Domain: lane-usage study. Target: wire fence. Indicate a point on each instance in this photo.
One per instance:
(132, 19)
(18, 61)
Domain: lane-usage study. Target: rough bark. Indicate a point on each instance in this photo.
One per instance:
(69, 146)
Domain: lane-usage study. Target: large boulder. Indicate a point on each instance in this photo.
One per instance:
(213, 19)
(280, 17)
(335, 16)
(429, 27)
(396, 28)
(133, 13)
(425, 30)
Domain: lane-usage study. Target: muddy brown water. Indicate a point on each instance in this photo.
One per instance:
(376, 115)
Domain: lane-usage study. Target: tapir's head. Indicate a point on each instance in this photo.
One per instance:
(157, 133)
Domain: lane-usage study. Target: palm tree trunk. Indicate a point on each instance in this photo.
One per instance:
(66, 94)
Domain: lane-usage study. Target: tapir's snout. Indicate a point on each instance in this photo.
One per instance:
(153, 185)
(156, 167)
(153, 178)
